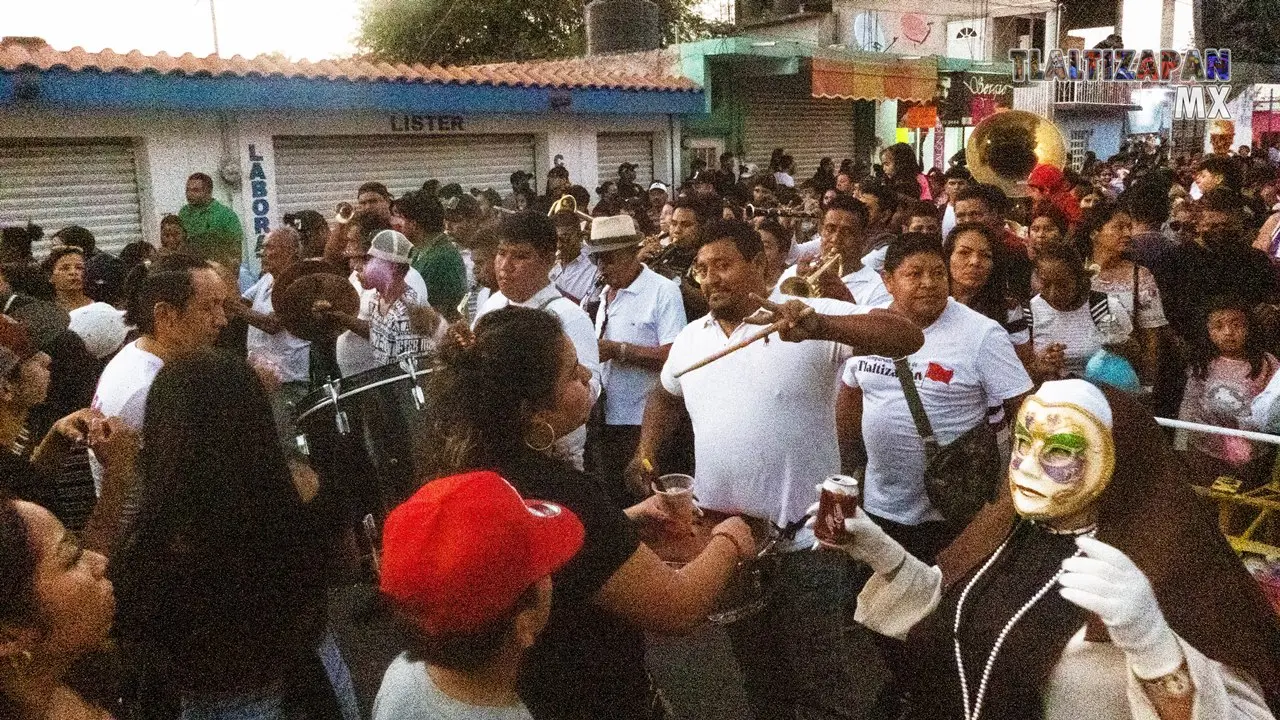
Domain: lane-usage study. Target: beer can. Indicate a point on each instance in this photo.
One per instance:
(838, 500)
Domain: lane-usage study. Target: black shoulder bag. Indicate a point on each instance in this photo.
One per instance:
(961, 477)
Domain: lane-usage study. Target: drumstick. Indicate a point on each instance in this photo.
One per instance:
(759, 334)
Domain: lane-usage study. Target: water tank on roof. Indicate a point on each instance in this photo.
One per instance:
(615, 26)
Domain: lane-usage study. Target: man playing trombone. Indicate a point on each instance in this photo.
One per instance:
(764, 426)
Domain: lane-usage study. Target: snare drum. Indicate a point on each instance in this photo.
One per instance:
(362, 433)
(750, 587)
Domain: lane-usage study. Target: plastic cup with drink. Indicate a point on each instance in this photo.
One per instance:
(675, 494)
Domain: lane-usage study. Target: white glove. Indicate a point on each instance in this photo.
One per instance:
(865, 542)
(1105, 581)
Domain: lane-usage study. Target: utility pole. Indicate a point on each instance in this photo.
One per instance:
(213, 19)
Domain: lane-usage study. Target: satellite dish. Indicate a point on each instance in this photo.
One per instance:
(868, 33)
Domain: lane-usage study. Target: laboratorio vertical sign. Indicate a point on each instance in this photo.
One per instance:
(1198, 78)
(259, 199)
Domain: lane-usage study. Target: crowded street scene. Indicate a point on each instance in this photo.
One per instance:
(635, 360)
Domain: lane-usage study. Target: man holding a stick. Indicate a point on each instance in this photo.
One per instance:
(764, 425)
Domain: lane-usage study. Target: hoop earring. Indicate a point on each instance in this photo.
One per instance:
(542, 447)
(20, 661)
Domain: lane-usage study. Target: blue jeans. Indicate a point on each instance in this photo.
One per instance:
(795, 655)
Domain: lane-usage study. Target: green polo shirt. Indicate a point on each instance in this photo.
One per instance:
(214, 231)
(444, 272)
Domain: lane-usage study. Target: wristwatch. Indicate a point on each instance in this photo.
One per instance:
(1174, 685)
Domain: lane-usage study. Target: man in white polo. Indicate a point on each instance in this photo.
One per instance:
(639, 316)
(764, 428)
(526, 254)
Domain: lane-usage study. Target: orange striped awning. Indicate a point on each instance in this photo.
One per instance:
(875, 80)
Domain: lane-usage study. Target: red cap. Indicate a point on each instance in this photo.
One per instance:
(1045, 177)
(460, 552)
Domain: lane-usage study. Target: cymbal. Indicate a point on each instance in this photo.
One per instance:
(293, 304)
(307, 267)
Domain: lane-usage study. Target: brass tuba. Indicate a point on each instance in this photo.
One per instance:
(570, 204)
(1007, 146)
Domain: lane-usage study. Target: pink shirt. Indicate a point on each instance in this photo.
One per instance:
(1224, 397)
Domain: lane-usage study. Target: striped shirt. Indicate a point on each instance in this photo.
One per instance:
(391, 334)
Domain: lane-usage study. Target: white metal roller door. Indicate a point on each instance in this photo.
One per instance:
(317, 173)
(781, 113)
(613, 149)
(55, 183)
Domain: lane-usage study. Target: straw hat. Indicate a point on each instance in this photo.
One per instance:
(613, 232)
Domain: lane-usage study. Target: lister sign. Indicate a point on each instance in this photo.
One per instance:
(427, 124)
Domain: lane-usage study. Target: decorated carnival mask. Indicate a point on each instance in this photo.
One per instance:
(1063, 453)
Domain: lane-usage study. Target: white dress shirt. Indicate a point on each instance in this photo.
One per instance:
(577, 278)
(649, 313)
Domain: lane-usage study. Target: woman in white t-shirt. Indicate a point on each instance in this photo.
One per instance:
(966, 363)
(1104, 235)
(978, 265)
(1070, 322)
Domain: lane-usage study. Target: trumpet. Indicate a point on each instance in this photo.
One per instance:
(810, 287)
(784, 212)
(344, 213)
(569, 203)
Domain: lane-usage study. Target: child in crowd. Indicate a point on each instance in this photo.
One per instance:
(466, 567)
(1230, 369)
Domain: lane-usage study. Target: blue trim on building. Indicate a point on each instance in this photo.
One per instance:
(148, 90)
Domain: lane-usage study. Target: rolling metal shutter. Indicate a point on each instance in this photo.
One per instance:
(780, 113)
(56, 183)
(316, 173)
(613, 149)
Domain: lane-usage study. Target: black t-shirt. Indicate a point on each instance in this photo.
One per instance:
(587, 663)
(20, 479)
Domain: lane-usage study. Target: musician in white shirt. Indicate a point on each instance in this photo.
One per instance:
(764, 426)
(526, 253)
(639, 316)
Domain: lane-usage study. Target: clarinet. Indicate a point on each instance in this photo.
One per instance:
(591, 303)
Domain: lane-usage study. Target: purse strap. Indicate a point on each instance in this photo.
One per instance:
(921, 418)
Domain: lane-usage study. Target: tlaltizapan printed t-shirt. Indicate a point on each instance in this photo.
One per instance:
(966, 365)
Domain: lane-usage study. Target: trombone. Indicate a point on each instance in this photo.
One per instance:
(810, 286)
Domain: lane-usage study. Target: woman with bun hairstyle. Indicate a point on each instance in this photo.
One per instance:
(501, 400)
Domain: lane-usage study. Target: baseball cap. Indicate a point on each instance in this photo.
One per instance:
(101, 326)
(392, 246)
(659, 185)
(15, 344)
(104, 277)
(458, 554)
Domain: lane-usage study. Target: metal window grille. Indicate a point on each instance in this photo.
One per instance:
(1077, 146)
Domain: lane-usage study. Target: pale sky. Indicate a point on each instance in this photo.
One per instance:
(313, 29)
